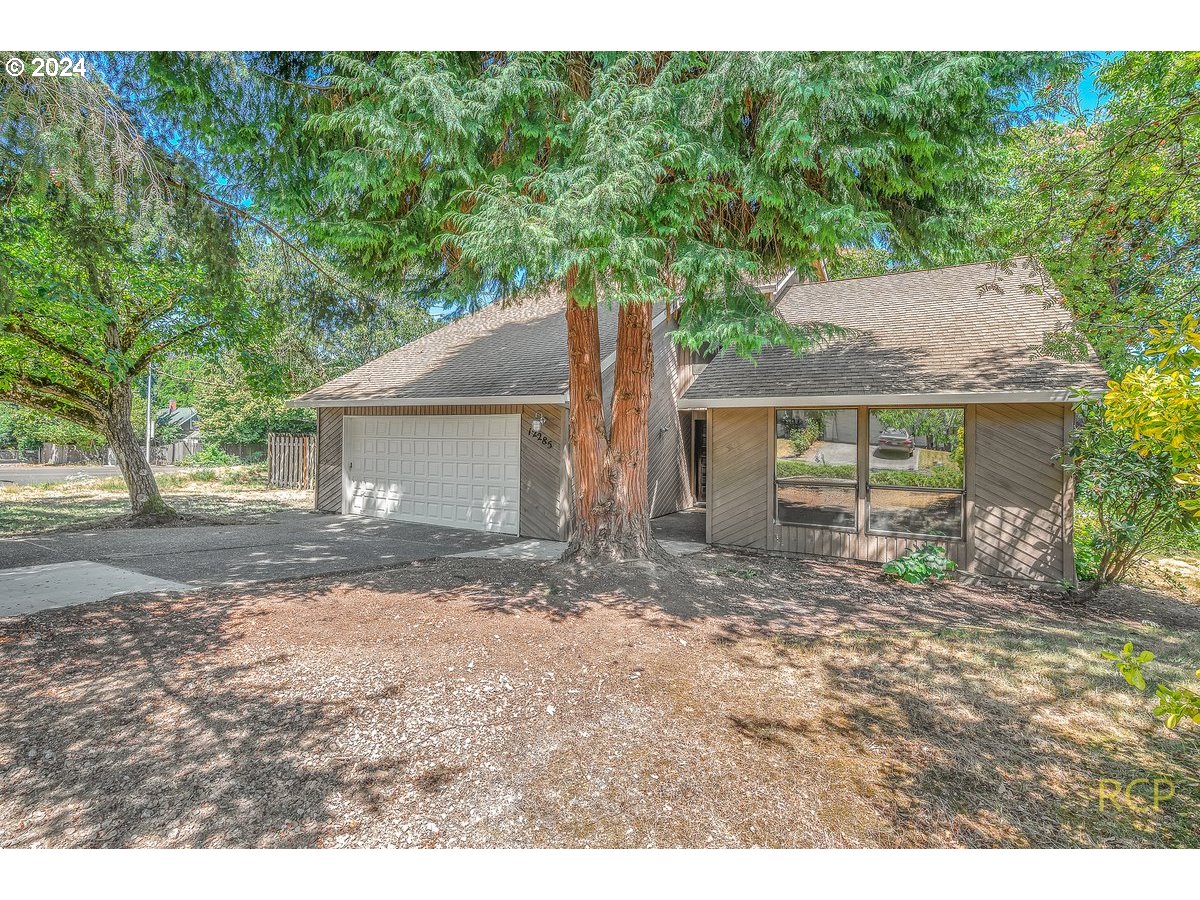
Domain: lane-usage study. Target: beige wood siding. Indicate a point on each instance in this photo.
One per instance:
(1016, 503)
(329, 460)
(1020, 497)
(544, 502)
(738, 494)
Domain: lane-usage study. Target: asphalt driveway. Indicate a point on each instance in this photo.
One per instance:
(17, 473)
(292, 543)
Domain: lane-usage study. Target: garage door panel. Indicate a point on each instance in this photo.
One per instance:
(461, 471)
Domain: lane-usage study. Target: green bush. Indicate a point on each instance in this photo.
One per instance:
(795, 468)
(803, 438)
(1088, 553)
(925, 563)
(948, 476)
(211, 455)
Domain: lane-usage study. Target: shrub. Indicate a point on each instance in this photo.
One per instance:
(948, 476)
(803, 438)
(1129, 504)
(925, 563)
(211, 455)
(1087, 550)
(795, 468)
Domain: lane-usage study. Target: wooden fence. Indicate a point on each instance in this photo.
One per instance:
(292, 460)
(174, 453)
(71, 455)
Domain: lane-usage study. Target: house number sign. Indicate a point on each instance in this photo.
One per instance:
(538, 436)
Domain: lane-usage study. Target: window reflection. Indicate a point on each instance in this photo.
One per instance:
(816, 467)
(916, 472)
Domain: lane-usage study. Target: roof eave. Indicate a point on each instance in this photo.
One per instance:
(932, 398)
(487, 400)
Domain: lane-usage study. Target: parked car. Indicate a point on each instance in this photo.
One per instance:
(896, 439)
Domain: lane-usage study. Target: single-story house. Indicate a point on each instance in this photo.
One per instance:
(933, 417)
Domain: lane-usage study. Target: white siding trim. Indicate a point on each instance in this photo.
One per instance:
(930, 399)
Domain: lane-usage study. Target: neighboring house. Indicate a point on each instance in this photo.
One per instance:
(935, 417)
(185, 418)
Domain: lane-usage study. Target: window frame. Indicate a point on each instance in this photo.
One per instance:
(961, 491)
(856, 484)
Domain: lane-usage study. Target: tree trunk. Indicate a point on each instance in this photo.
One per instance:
(147, 506)
(612, 514)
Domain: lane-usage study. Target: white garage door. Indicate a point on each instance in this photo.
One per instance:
(461, 471)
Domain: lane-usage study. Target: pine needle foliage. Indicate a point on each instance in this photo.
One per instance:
(654, 176)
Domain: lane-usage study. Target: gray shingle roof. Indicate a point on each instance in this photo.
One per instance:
(933, 331)
(518, 349)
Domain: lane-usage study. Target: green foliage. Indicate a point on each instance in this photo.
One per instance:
(1111, 203)
(795, 468)
(1130, 502)
(804, 437)
(956, 455)
(648, 175)
(27, 429)
(928, 562)
(234, 412)
(1173, 705)
(1130, 665)
(1088, 551)
(210, 455)
(947, 476)
(87, 304)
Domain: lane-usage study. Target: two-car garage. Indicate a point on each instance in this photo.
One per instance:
(462, 471)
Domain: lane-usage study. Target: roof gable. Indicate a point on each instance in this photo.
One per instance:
(512, 350)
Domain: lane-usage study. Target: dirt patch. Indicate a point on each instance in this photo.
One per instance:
(729, 701)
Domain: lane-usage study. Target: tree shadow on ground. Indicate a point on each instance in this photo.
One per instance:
(118, 721)
(1000, 737)
(193, 721)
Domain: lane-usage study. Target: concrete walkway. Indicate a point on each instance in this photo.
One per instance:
(65, 568)
(680, 534)
(31, 589)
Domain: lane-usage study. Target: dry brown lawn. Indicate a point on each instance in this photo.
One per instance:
(735, 701)
(235, 494)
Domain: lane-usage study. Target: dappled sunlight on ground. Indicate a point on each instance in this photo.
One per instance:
(725, 700)
(221, 495)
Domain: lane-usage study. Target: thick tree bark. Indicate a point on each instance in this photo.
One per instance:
(612, 514)
(144, 500)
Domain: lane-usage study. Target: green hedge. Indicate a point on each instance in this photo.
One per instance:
(792, 468)
(940, 477)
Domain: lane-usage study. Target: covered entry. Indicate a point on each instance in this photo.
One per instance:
(461, 471)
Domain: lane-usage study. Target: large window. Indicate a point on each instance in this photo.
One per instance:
(816, 467)
(915, 483)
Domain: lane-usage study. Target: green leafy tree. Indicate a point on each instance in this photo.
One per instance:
(1135, 499)
(87, 306)
(233, 411)
(27, 429)
(108, 258)
(1111, 203)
